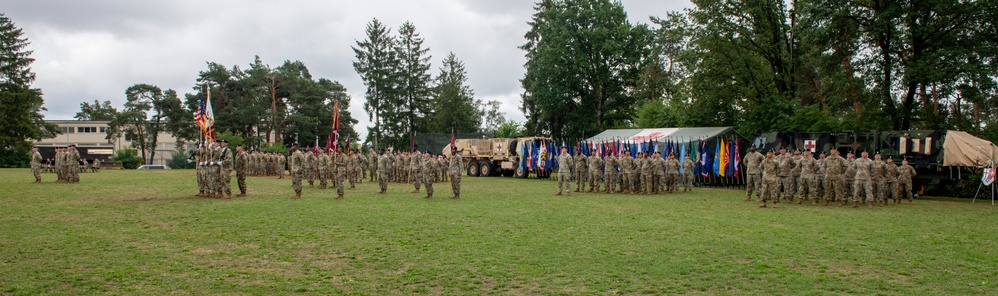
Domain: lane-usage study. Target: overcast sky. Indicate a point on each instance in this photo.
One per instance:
(94, 50)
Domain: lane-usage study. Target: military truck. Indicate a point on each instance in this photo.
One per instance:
(495, 156)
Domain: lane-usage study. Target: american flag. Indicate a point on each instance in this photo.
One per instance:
(205, 118)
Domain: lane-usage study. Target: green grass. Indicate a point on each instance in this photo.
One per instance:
(143, 232)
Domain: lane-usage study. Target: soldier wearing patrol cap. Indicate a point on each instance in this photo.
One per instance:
(296, 166)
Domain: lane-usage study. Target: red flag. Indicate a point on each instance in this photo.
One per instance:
(452, 137)
(413, 146)
(334, 133)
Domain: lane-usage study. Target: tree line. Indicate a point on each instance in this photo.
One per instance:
(763, 65)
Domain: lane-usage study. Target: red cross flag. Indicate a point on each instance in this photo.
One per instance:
(810, 145)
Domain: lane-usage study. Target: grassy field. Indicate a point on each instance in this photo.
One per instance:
(143, 232)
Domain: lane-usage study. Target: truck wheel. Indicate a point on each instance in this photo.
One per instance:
(521, 173)
(473, 169)
(485, 169)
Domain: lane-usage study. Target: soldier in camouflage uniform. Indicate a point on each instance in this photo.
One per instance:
(372, 164)
(296, 165)
(627, 172)
(611, 176)
(309, 172)
(891, 180)
(787, 165)
(242, 168)
(878, 173)
(444, 165)
(850, 176)
(688, 168)
(564, 171)
(384, 162)
(594, 163)
(770, 180)
(414, 168)
(905, 172)
(73, 158)
(647, 174)
(200, 162)
(214, 170)
(323, 163)
(356, 168)
(672, 174)
(807, 184)
(456, 168)
(580, 171)
(795, 173)
(340, 163)
(657, 173)
(820, 176)
(835, 182)
(863, 186)
(225, 170)
(281, 165)
(753, 176)
(36, 164)
(429, 172)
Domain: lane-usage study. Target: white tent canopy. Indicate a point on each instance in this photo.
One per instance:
(661, 134)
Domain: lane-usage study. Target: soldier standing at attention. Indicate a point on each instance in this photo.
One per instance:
(672, 174)
(199, 157)
(36, 164)
(850, 176)
(383, 162)
(657, 173)
(309, 168)
(905, 172)
(74, 167)
(753, 176)
(580, 171)
(296, 166)
(242, 167)
(891, 180)
(770, 180)
(864, 167)
(456, 168)
(795, 173)
(806, 185)
(594, 164)
(786, 174)
(626, 171)
(281, 165)
(444, 165)
(835, 183)
(610, 173)
(564, 171)
(647, 176)
(429, 172)
(877, 175)
(323, 164)
(820, 176)
(340, 162)
(688, 167)
(356, 168)
(225, 170)
(372, 163)
(414, 166)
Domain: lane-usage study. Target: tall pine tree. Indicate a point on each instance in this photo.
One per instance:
(455, 107)
(20, 104)
(375, 63)
(413, 78)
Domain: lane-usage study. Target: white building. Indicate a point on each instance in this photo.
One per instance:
(90, 139)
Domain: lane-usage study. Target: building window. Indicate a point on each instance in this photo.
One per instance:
(103, 129)
(86, 130)
(67, 129)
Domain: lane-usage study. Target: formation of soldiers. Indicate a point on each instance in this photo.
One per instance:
(259, 163)
(214, 170)
(647, 173)
(67, 165)
(338, 168)
(801, 177)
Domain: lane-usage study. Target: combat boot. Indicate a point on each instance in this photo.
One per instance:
(559, 193)
(415, 191)
(339, 196)
(763, 205)
(429, 195)
(456, 196)
(241, 195)
(200, 193)
(855, 204)
(799, 201)
(228, 196)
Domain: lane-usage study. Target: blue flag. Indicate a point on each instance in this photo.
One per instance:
(717, 152)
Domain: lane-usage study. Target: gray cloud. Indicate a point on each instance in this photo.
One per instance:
(87, 50)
